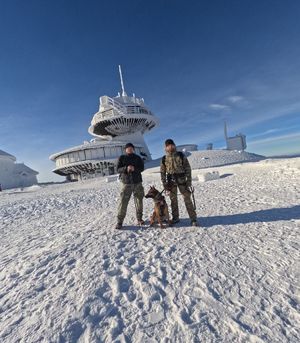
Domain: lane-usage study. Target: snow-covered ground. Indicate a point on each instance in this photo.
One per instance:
(67, 276)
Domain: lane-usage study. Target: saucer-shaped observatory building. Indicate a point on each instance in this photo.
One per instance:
(120, 120)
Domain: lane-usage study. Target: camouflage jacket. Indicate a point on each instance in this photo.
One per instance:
(176, 165)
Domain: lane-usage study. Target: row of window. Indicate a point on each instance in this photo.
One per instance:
(90, 154)
(136, 109)
(130, 110)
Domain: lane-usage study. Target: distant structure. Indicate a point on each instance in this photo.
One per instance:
(14, 175)
(120, 120)
(187, 147)
(209, 146)
(237, 142)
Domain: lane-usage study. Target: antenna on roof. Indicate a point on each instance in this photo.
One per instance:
(122, 83)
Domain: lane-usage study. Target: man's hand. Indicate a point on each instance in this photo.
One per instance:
(188, 186)
(130, 169)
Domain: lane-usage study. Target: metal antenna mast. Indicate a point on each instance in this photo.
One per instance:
(122, 83)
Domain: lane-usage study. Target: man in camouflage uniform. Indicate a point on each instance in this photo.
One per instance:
(176, 173)
(130, 167)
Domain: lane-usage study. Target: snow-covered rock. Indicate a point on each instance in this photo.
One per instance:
(208, 176)
(112, 178)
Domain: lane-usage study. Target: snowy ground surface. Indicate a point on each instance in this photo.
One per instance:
(67, 276)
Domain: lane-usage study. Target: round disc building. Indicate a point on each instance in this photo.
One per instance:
(120, 120)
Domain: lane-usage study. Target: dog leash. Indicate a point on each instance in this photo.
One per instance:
(192, 190)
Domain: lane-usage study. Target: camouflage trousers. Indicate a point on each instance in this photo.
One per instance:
(187, 200)
(138, 192)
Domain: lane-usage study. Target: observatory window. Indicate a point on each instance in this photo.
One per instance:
(115, 151)
(100, 152)
(108, 152)
(81, 155)
(95, 153)
(88, 154)
(71, 158)
(130, 109)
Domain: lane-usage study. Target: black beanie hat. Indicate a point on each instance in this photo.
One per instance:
(169, 141)
(128, 145)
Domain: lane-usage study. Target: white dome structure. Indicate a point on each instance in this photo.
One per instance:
(14, 175)
(120, 120)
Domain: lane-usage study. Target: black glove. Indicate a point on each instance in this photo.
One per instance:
(168, 186)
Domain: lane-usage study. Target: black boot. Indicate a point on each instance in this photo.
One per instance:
(175, 221)
(118, 226)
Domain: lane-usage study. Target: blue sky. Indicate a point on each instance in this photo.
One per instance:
(196, 63)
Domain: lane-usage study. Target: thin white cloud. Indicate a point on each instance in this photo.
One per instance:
(235, 98)
(275, 139)
(219, 107)
(272, 131)
(267, 132)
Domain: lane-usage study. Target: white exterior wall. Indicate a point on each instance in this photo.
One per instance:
(236, 143)
(12, 178)
(6, 171)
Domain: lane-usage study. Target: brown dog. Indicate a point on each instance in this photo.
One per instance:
(161, 211)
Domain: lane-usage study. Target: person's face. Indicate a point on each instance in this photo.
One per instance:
(170, 148)
(129, 150)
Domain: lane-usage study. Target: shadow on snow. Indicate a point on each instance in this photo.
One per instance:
(270, 215)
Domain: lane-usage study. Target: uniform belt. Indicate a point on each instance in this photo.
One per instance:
(177, 175)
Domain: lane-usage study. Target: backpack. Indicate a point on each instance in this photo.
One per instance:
(180, 153)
